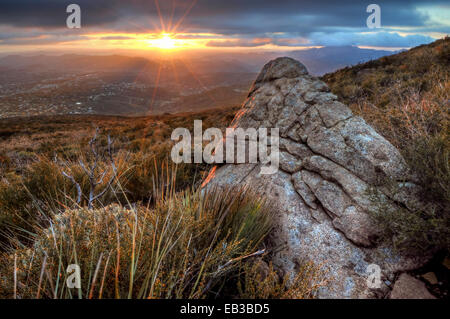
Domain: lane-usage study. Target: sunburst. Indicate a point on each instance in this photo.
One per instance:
(164, 42)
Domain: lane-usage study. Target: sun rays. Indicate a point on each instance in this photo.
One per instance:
(165, 42)
(168, 31)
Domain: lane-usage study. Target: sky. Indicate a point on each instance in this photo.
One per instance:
(240, 25)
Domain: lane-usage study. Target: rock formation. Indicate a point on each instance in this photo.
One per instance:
(329, 160)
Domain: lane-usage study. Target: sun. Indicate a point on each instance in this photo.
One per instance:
(165, 42)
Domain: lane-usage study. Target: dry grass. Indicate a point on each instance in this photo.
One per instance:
(152, 234)
(185, 245)
(258, 283)
(29, 177)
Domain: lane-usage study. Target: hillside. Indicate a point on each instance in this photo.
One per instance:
(329, 59)
(386, 80)
(43, 84)
(406, 98)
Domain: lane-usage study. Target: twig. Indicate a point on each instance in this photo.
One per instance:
(78, 187)
(258, 253)
(15, 276)
(44, 264)
(90, 170)
(91, 293)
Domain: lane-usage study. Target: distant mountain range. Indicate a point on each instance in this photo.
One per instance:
(329, 59)
(318, 61)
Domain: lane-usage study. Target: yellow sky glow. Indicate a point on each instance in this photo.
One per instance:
(166, 42)
(147, 41)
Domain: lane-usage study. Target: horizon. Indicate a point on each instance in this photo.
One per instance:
(198, 53)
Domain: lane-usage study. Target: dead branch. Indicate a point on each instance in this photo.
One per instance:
(91, 168)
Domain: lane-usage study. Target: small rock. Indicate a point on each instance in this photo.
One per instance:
(408, 287)
(430, 277)
(446, 262)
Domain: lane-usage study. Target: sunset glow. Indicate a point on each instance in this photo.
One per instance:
(165, 42)
(170, 27)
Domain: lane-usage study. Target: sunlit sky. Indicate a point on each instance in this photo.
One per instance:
(243, 25)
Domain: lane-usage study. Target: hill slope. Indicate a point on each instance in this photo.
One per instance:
(329, 59)
(405, 97)
(387, 79)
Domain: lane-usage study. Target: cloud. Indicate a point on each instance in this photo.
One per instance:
(42, 40)
(116, 37)
(27, 36)
(259, 42)
(215, 14)
(239, 43)
(377, 39)
(326, 21)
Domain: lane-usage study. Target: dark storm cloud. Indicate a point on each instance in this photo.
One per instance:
(226, 16)
(246, 19)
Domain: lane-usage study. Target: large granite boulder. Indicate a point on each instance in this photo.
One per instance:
(329, 160)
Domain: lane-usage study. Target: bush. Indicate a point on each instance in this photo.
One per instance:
(189, 244)
(259, 282)
(180, 248)
(424, 227)
(21, 196)
(419, 231)
(428, 158)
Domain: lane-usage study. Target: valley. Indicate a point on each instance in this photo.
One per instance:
(32, 85)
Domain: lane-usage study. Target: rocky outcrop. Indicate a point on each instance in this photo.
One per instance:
(329, 160)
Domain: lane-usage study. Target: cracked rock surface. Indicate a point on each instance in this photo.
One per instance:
(329, 158)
